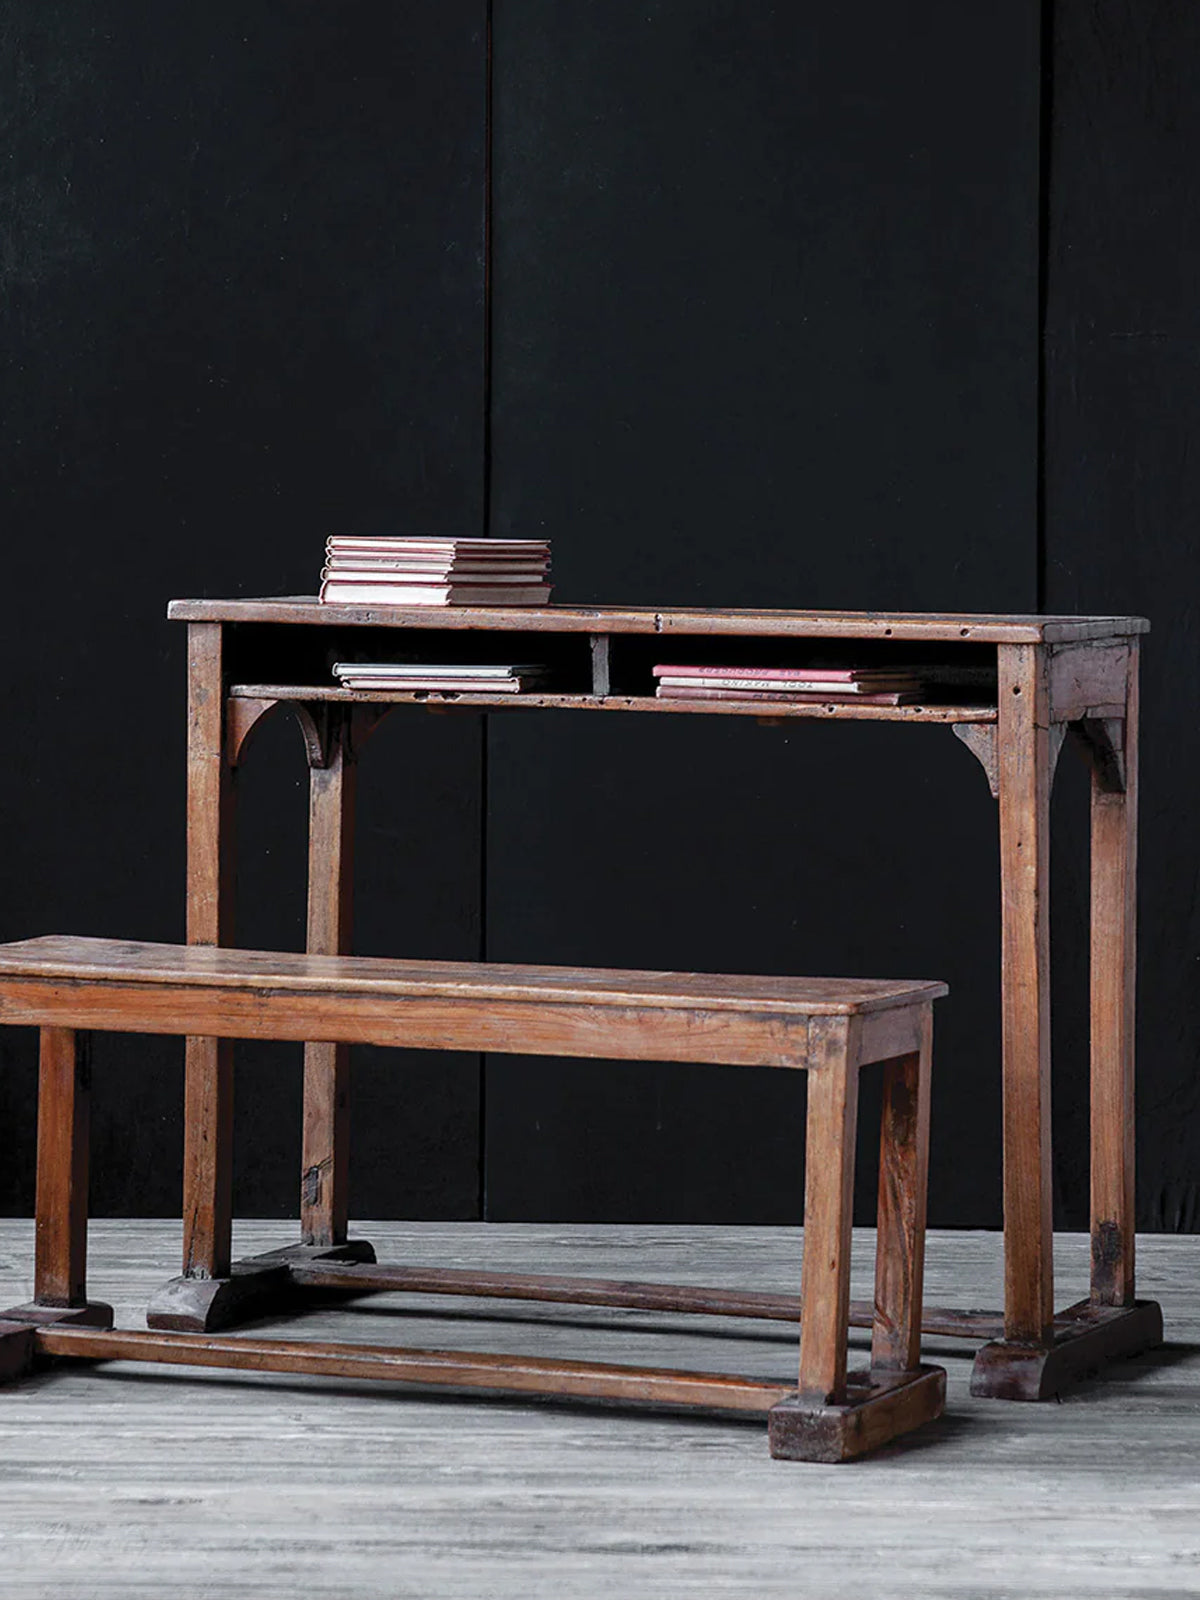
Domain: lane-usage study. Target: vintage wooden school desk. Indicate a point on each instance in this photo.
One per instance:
(1054, 677)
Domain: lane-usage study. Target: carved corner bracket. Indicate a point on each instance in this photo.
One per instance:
(325, 727)
(1101, 741)
(981, 738)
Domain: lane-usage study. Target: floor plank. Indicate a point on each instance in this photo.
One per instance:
(127, 1481)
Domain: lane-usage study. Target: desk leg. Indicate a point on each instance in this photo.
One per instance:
(324, 1202)
(325, 1165)
(211, 868)
(201, 1298)
(1041, 1354)
(1131, 1325)
(1113, 984)
(1023, 736)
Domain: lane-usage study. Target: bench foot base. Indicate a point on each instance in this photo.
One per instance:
(19, 1325)
(1086, 1339)
(257, 1287)
(875, 1411)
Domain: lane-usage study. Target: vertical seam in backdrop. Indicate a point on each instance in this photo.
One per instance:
(481, 1204)
(1044, 173)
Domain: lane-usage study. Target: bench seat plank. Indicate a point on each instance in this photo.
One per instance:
(118, 985)
(115, 960)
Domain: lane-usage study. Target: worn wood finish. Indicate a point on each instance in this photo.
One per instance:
(459, 1369)
(260, 1287)
(1086, 1338)
(243, 715)
(64, 1090)
(828, 1208)
(826, 1032)
(325, 1157)
(274, 975)
(16, 1350)
(208, 1093)
(601, 648)
(1087, 680)
(980, 740)
(761, 710)
(901, 1210)
(686, 1298)
(19, 1325)
(875, 1411)
(443, 1005)
(1025, 998)
(1113, 996)
(1083, 661)
(752, 1037)
(977, 627)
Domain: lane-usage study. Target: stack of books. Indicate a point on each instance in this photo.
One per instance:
(435, 572)
(438, 678)
(877, 686)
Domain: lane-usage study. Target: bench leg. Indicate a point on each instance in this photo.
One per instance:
(64, 1093)
(835, 1416)
(900, 1219)
(60, 1249)
(828, 1212)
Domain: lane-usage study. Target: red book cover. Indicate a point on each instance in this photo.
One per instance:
(804, 697)
(784, 674)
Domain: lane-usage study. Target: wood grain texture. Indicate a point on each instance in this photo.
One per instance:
(64, 1092)
(724, 1037)
(1086, 1338)
(128, 1482)
(873, 1414)
(584, 1380)
(902, 1206)
(828, 1207)
(325, 1151)
(1086, 679)
(628, 1294)
(221, 993)
(1113, 1003)
(1024, 804)
(256, 693)
(208, 1093)
(73, 958)
(975, 627)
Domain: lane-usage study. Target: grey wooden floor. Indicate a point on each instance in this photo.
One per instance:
(123, 1481)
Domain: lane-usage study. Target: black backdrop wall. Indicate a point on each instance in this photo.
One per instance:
(767, 303)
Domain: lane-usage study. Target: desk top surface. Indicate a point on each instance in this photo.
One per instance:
(969, 627)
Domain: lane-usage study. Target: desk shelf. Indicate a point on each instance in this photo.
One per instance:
(772, 709)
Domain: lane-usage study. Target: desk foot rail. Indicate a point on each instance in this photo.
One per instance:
(687, 1299)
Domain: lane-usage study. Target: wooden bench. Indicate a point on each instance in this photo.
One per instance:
(829, 1027)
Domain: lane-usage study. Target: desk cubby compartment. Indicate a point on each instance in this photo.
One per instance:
(264, 655)
(955, 674)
